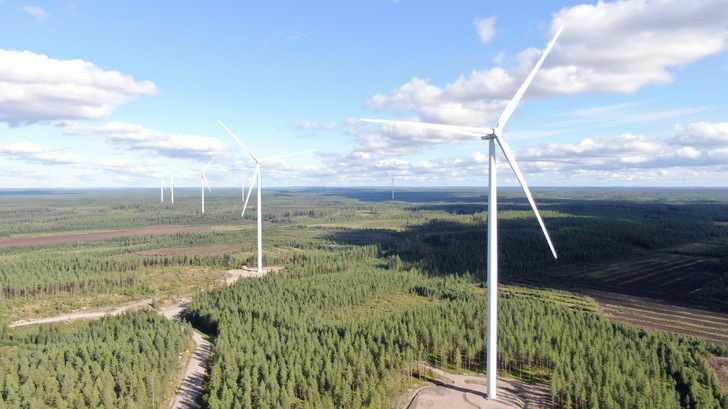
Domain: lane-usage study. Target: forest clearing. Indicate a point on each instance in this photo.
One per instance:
(370, 287)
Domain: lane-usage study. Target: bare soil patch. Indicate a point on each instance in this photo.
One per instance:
(450, 391)
(99, 236)
(719, 365)
(231, 276)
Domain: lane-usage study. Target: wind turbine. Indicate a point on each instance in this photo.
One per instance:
(494, 135)
(392, 177)
(204, 182)
(171, 183)
(162, 188)
(258, 162)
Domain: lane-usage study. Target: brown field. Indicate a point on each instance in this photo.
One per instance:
(98, 236)
(650, 313)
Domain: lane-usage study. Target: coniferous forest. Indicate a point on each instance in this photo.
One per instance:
(371, 286)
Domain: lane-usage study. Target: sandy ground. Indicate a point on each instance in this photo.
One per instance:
(234, 275)
(448, 391)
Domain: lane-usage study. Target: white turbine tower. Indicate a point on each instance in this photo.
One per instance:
(204, 182)
(162, 188)
(171, 184)
(258, 162)
(494, 135)
(392, 177)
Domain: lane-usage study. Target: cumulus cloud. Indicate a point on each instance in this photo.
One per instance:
(702, 134)
(608, 47)
(35, 88)
(485, 28)
(135, 137)
(705, 146)
(620, 47)
(34, 153)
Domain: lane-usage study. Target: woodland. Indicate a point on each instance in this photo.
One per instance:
(370, 287)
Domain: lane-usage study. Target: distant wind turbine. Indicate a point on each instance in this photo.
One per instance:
(204, 182)
(258, 162)
(392, 177)
(162, 188)
(171, 183)
(493, 136)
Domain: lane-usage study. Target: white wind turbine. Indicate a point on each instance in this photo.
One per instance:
(258, 162)
(494, 135)
(392, 177)
(162, 188)
(171, 184)
(204, 182)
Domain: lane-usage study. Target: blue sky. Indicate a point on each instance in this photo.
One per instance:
(116, 94)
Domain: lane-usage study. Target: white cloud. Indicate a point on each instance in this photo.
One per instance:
(135, 137)
(620, 47)
(702, 134)
(36, 88)
(630, 153)
(485, 28)
(321, 126)
(34, 153)
(36, 12)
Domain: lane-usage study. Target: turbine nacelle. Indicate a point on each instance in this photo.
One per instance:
(491, 135)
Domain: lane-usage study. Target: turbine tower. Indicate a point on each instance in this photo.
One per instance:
(494, 135)
(204, 182)
(162, 188)
(392, 177)
(258, 162)
(171, 184)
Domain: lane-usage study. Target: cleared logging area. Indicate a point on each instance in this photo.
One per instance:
(657, 314)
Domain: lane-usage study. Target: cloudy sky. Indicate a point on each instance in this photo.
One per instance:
(117, 94)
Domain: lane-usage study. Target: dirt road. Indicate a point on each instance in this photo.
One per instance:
(85, 314)
(191, 386)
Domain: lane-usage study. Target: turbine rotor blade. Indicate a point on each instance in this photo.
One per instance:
(283, 156)
(390, 175)
(252, 183)
(239, 142)
(517, 98)
(512, 161)
(462, 130)
(207, 184)
(208, 165)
